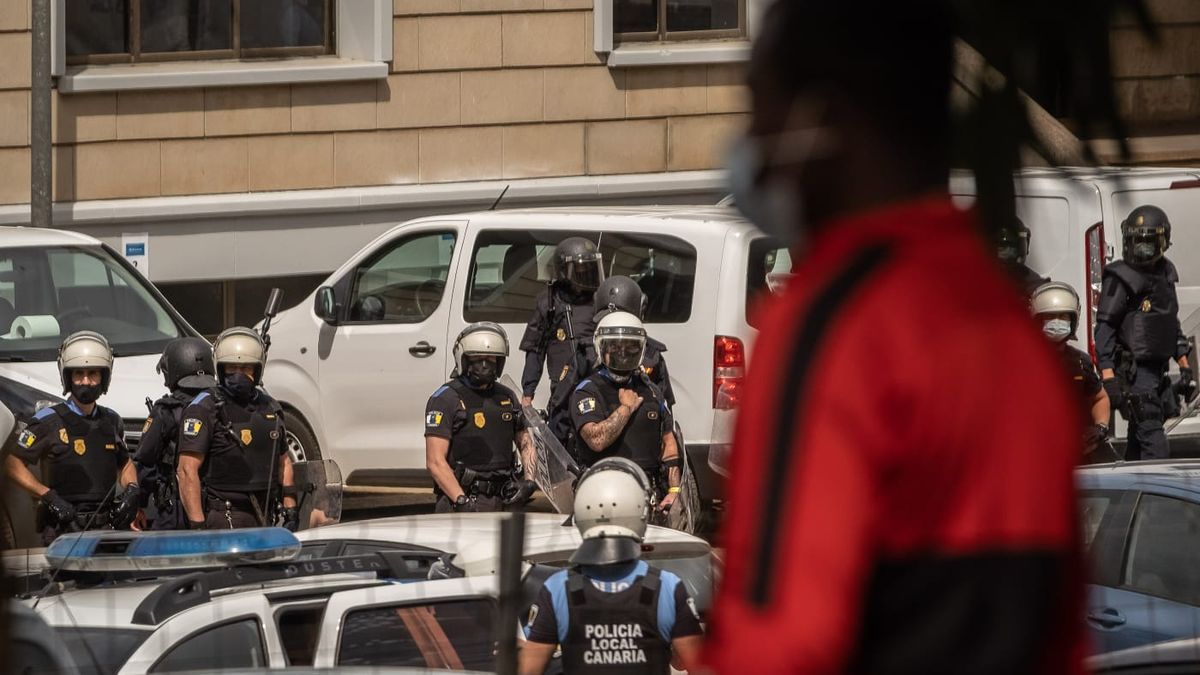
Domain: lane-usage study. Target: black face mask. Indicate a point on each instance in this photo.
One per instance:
(481, 373)
(240, 387)
(85, 393)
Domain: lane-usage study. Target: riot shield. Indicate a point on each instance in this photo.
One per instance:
(318, 492)
(685, 512)
(554, 469)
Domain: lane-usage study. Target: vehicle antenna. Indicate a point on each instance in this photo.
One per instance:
(497, 202)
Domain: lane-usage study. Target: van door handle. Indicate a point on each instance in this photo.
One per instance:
(1106, 618)
(422, 349)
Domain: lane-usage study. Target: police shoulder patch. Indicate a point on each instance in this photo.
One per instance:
(533, 613)
(433, 419)
(26, 439)
(62, 436)
(586, 405)
(146, 426)
(192, 426)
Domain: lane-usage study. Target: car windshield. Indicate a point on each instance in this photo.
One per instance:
(101, 650)
(49, 292)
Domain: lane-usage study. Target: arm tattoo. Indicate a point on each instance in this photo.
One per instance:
(600, 435)
(528, 452)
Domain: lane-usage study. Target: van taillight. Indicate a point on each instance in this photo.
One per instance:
(729, 372)
(1093, 257)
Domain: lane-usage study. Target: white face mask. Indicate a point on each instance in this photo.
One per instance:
(767, 197)
(1057, 330)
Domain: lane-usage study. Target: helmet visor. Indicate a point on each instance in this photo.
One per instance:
(622, 354)
(1012, 246)
(584, 271)
(1145, 246)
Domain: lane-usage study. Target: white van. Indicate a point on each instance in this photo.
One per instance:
(53, 283)
(355, 364)
(1074, 217)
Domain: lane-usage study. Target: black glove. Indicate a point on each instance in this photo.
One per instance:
(60, 510)
(519, 492)
(197, 524)
(464, 504)
(1116, 395)
(1186, 386)
(1094, 436)
(126, 509)
(291, 518)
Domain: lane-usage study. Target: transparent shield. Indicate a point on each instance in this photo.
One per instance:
(554, 469)
(318, 492)
(685, 513)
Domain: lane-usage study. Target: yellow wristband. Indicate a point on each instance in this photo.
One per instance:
(674, 490)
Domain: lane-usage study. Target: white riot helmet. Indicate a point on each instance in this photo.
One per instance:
(239, 345)
(483, 338)
(85, 349)
(620, 342)
(612, 507)
(1055, 297)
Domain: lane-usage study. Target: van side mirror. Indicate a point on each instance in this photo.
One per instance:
(325, 305)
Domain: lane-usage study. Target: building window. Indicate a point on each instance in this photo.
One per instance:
(673, 20)
(131, 31)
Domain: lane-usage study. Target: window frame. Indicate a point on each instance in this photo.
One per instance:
(1122, 580)
(135, 55)
(662, 35)
(258, 624)
(406, 604)
(347, 286)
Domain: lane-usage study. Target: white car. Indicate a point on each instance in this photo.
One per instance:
(355, 363)
(366, 609)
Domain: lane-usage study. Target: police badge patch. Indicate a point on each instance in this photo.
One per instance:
(247, 437)
(433, 418)
(586, 406)
(1146, 306)
(561, 335)
(480, 420)
(191, 426)
(80, 447)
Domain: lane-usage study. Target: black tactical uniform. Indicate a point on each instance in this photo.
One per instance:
(641, 440)
(1026, 279)
(1083, 373)
(242, 445)
(157, 458)
(82, 457)
(1137, 335)
(481, 425)
(1012, 247)
(558, 335)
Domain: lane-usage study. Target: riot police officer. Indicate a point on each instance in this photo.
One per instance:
(610, 611)
(187, 369)
(471, 424)
(620, 293)
(1012, 247)
(1056, 307)
(617, 412)
(1138, 333)
(233, 461)
(562, 318)
(82, 449)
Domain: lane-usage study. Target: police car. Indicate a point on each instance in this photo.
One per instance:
(174, 601)
(469, 543)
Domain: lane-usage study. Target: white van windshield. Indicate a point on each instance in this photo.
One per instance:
(49, 292)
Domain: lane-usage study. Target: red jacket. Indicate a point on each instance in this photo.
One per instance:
(901, 494)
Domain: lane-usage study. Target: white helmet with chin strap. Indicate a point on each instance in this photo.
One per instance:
(620, 343)
(242, 346)
(82, 350)
(482, 338)
(612, 507)
(1056, 297)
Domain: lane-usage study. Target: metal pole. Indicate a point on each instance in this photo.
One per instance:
(41, 172)
(512, 542)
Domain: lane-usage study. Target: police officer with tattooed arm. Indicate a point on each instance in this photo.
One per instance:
(471, 424)
(1138, 333)
(81, 447)
(233, 463)
(611, 611)
(618, 412)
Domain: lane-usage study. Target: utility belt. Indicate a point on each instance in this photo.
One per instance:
(88, 515)
(480, 483)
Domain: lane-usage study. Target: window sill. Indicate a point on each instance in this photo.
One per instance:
(178, 75)
(676, 54)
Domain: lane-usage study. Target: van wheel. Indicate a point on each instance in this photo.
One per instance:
(301, 441)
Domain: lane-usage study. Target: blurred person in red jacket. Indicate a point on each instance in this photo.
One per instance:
(901, 496)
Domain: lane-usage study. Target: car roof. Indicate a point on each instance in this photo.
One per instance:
(701, 217)
(474, 537)
(1180, 474)
(37, 236)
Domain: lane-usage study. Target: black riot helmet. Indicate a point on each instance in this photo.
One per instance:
(1012, 243)
(577, 261)
(187, 362)
(1145, 235)
(622, 294)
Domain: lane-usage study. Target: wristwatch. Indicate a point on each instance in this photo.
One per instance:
(461, 502)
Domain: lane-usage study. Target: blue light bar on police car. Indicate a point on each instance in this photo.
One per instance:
(108, 551)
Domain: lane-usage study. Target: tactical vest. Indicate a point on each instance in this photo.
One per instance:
(82, 465)
(564, 363)
(244, 449)
(1150, 327)
(168, 413)
(641, 439)
(484, 441)
(614, 632)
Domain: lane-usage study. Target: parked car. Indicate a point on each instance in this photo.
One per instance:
(354, 365)
(1141, 528)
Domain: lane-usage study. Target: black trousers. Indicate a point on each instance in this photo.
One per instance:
(1146, 438)
(481, 504)
(223, 514)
